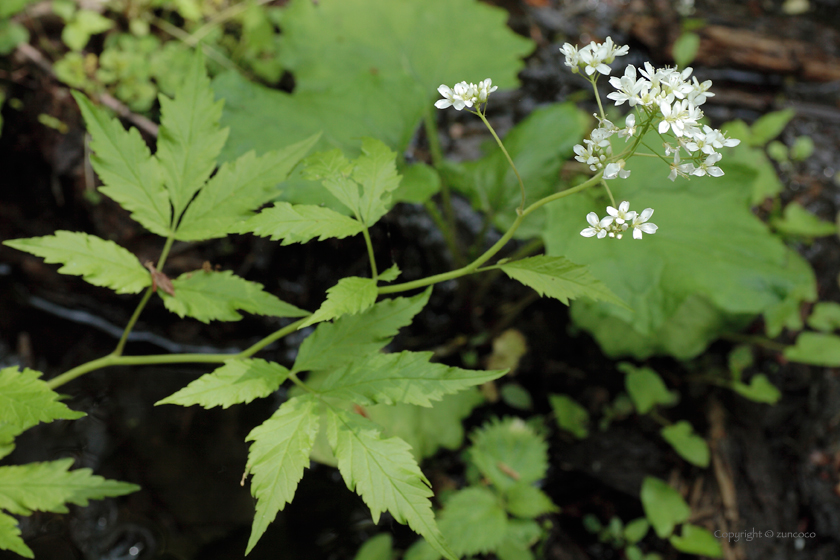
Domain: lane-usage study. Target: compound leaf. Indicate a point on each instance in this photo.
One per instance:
(218, 296)
(10, 537)
(299, 223)
(351, 295)
(238, 381)
(99, 262)
(473, 521)
(406, 377)
(277, 458)
(376, 171)
(559, 278)
(384, 473)
(508, 452)
(26, 400)
(237, 189)
(190, 139)
(49, 486)
(129, 172)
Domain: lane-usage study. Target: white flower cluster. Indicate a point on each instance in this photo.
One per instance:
(594, 57)
(465, 95)
(618, 221)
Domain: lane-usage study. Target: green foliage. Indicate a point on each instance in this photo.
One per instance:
(419, 183)
(686, 443)
(636, 530)
(825, 316)
(559, 278)
(696, 540)
(474, 521)
(507, 452)
(516, 396)
(350, 296)
(527, 501)
(26, 400)
(219, 296)
(646, 388)
(238, 381)
(685, 49)
(664, 507)
(759, 390)
(570, 415)
(11, 35)
(769, 126)
(100, 262)
(379, 547)
(802, 149)
(299, 223)
(79, 24)
(819, 349)
(796, 221)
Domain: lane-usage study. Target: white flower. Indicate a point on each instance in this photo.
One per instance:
(463, 95)
(708, 166)
(629, 88)
(485, 89)
(593, 62)
(682, 170)
(699, 91)
(629, 129)
(677, 117)
(598, 227)
(572, 56)
(639, 224)
(622, 214)
(613, 170)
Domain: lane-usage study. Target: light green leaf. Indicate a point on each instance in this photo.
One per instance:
(277, 458)
(559, 278)
(766, 183)
(636, 530)
(10, 537)
(407, 377)
(759, 390)
(817, 349)
(570, 415)
(99, 262)
(335, 171)
(538, 145)
(473, 521)
(825, 316)
(354, 336)
(528, 501)
(26, 400)
(664, 507)
(218, 296)
(238, 188)
(238, 381)
(686, 443)
(796, 220)
(646, 388)
(521, 536)
(508, 451)
(740, 358)
(350, 296)
(769, 126)
(49, 486)
(190, 139)
(420, 182)
(11, 35)
(378, 547)
(376, 172)
(516, 396)
(127, 169)
(685, 49)
(697, 540)
(421, 550)
(299, 223)
(84, 23)
(384, 473)
(11, 7)
(802, 149)
(390, 274)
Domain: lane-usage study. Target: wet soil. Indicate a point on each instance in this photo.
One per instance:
(774, 468)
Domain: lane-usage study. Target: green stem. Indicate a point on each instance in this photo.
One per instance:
(296, 380)
(755, 339)
(374, 273)
(448, 237)
(594, 82)
(609, 192)
(507, 155)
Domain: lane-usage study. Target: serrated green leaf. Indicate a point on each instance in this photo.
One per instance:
(350, 296)
(299, 223)
(473, 521)
(354, 336)
(238, 188)
(825, 316)
(664, 507)
(570, 415)
(697, 540)
(759, 390)
(646, 388)
(508, 452)
(385, 474)
(190, 138)
(378, 547)
(277, 458)
(376, 172)
(25, 401)
(390, 274)
(817, 349)
(528, 501)
(218, 296)
(521, 536)
(335, 171)
(49, 486)
(10, 537)
(238, 381)
(99, 262)
(686, 443)
(129, 173)
(407, 377)
(559, 278)
(796, 220)
(769, 126)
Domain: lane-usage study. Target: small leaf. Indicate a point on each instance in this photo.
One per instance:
(49, 486)
(769, 126)
(797, 221)
(825, 316)
(636, 530)
(406, 377)
(238, 381)
(376, 172)
(802, 149)
(277, 458)
(354, 336)
(696, 540)
(299, 223)
(384, 473)
(129, 173)
(740, 358)
(686, 443)
(218, 296)
(334, 170)
(10, 537)
(664, 507)
(759, 390)
(570, 415)
(817, 349)
(379, 547)
(646, 388)
(521, 536)
(559, 278)
(516, 396)
(685, 49)
(350, 296)
(390, 274)
(26, 400)
(473, 521)
(528, 501)
(508, 451)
